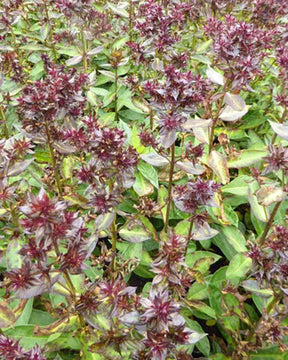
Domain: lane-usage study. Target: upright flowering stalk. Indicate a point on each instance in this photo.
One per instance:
(193, 195)
(165, 327)
(109, 169)
(174, 101)
(49, 100)
(239, 48)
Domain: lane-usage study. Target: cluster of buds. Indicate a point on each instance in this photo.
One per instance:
(11, 349)
(239, 48)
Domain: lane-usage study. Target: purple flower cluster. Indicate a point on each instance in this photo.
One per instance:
(111, 159)
(282, 60)
(48, 225)
(270, 262)
(190, 196)
(181, 90)
(175, 99)
(267, 13)
(10, 66)
(84, 13)
(239, 47)
(157, 23)
(277, 159)
(170, 263)
(11, 350)
(52, 98)
(165, 326)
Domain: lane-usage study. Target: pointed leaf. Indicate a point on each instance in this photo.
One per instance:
(74, 60)
(204, 232)
(253, 286)
(141, 186)
(230, 114)
(190, 168)
(19, 167)
(155, 159)
(218, 163)
(135, 233)
(95, 51)
(234, 101)
(214, 76)
(149, 173)
(246, 158)
(238, 267)
(257, 210)
(7, 317)
(280, 129)
(267, 195)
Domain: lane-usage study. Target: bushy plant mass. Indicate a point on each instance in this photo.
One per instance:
(143, 179)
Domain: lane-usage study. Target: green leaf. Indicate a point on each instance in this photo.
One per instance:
(92, 98)
(238, 186)
(143, 271)
(273, 353)
(67, 167)
(136, 142)
(246, 158)
(39, 317)
(130, 251)
(141, 105)
(234, 237)
(34, 47)
(118, 10)
(26, 313)
(7, 317)
(149, 173)
(201, 260)
(141, 186)
(253, 286)
(258, 210)
(13, 258)
(135, 233)
(218, 163)
(25, 333)
(203, 345)
(238, 267)
(203, 46)
(198, 292)
(203, 308)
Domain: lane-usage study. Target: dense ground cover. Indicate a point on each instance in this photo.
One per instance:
(143, 179)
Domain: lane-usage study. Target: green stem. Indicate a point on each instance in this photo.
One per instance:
(190, 229)
(114, 241)
(130, 19)
(50, 30)
(269, 223)
(53, 161)
(69, 283)
(84, 54)
(211, 138)
(151, 119)
(6, 129)
(169, 200)
(116, 93)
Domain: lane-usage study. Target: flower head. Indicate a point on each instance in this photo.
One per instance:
(277, 159)
(160, 309)
(190, 196)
